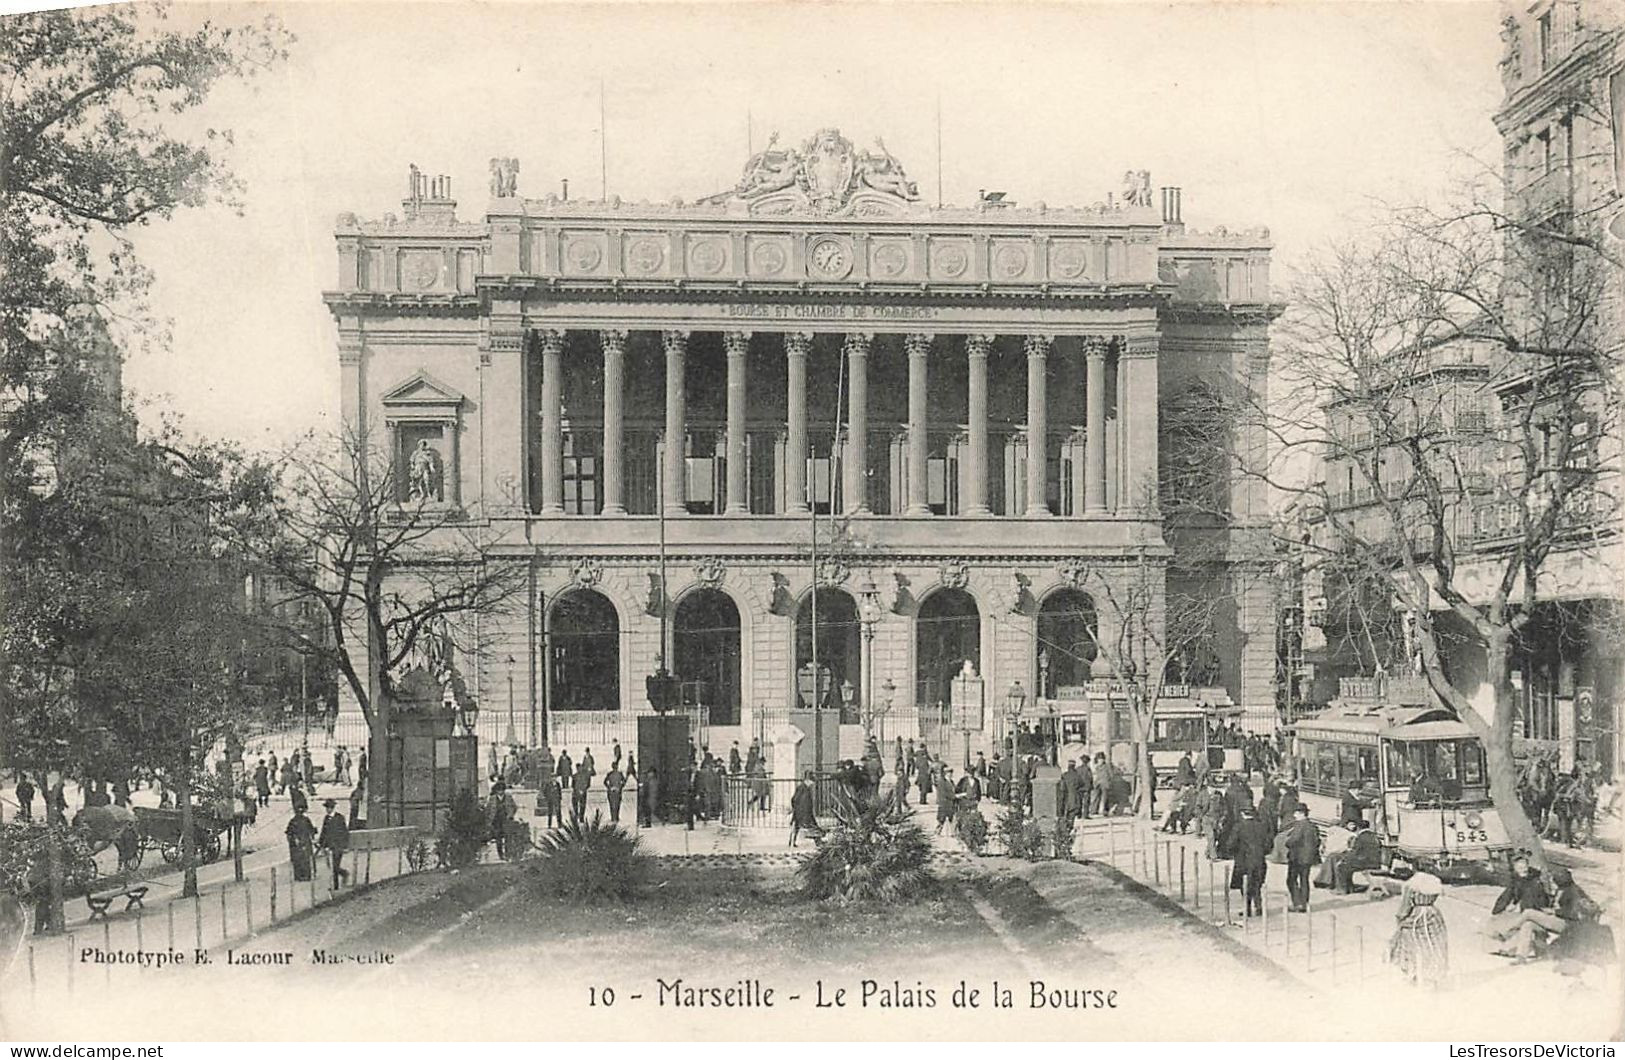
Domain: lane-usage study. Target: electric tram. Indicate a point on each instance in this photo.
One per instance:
(1182, 726)
(1421, 771)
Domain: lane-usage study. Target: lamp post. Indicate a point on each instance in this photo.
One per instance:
(888, 692)
(848, 696)
(1015, 701)
(513, 737)
(869, 611)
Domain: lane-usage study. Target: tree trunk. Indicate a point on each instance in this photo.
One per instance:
(1503, 777)
(183, 794)
(1145, 780)
(56, 915)
(378, 795)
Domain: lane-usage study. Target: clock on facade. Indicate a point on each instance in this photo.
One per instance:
(830, 258)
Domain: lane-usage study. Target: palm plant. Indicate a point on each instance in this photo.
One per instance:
(875, 850)
(590, 860)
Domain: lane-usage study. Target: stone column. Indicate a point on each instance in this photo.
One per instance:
(1137, 406)
(1094, 453)
(919, 349)
(1037, 347)
(552, 422)
(614, 345)
(856, 491)
(675, 500)
(976, 349)
(796, 345)
(737, 343)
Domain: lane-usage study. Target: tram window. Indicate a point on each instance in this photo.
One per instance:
(1444, 760)
(1326, 769)
(1368, 766)
(1399, 771)
(1348, 765)
(1306, 759)
(1472, 763)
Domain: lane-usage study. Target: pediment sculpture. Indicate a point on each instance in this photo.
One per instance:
(825, 176)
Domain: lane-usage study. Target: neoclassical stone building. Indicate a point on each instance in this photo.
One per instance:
(964, 401)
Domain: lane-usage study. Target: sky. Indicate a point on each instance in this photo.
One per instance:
(1292, 116)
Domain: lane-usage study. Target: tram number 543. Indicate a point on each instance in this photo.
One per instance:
(1472, 835)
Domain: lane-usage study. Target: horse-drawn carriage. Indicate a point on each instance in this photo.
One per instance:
(160, 830)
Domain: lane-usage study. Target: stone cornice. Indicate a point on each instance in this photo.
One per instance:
(444, 303)
(1222, 312)
(1534, 96)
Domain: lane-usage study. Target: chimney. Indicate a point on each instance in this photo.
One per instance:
(566, 183)
(430, 197)
(1172, 207)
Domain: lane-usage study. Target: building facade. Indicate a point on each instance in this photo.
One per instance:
(695, 424)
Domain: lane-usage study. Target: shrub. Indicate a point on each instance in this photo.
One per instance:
(25, 857)
(591, 860)
(417, 855)
(1065, 829)
(1022, 836)
(464, 834)
(971, 828)
(875, 850)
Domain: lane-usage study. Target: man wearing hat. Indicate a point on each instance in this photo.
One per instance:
(335, 839)
(1525, 892)
(1302, 853)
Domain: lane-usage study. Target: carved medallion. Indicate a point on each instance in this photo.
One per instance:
(646, 256)
(767, 259)
(587, 573)
(954, 574)
(829, 259)
(710, 572)
(832, 572)
(1010, 261)
(950, 259)
(707, 257)
(584, 255)
(890, 260)
(1073, 572)
(1067, 261)
(420, 269)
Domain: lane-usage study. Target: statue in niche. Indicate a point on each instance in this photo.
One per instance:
(425, 474)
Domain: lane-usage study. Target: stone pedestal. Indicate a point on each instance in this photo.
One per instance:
(786, 751)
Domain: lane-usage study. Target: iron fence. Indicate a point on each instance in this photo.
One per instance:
(764, 801)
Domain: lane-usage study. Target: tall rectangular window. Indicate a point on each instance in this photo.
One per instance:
(580, 475)
(1545, 32)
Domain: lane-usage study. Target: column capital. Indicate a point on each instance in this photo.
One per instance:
(674, 341)
(736, 343)
(613, 340)
(1139, 345)
(1096, 345)
(1037, 345)
(857, 343)
(979, 345)
(551, 340)
(918, 343)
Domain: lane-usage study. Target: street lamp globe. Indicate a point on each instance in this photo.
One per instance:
(888, 690)
(1016, 698)
(869, 599)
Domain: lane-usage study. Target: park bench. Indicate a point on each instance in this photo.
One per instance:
(101, 902)
(1378, 883)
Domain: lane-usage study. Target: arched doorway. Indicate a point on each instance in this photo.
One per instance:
(705, 646)
(1067, 628)
(839, 644)
(947, 632)
(585, 633)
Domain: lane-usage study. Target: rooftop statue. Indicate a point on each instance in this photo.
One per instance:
(1137, 187)
(824, 176)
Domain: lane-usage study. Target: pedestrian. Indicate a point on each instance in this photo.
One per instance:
(922, 777)
(945, 797)
(615, 756)
(1185, 772)
(1086, 785)
(579, 786)
(802, 816)
(614, 785)
(262, 783)
(968, 792)
(1420, 947)
(296, 796)
(587, 760)
(735, 762)
(691, 797)
(361, 767)
(25, 797)
(565, 770)
(1302, 841)
(1252, 845)
(1100, 777)
(357, 800)
(286, 780)
(649, 797)
(335, 839)
(553, 799)
(693, 753)
(301, 833)
(338, 765)
(502, 810)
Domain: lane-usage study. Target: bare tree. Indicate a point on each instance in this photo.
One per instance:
(389, 571)
(1442, 391)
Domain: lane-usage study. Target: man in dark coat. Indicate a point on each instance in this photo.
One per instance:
(1086, 787)
(649, 797)
(801, 810)
(1302, 854)
(335, 839)
(566, 769)
(579, 785)
(1185, 772)
(735, 763)
(262, 784)
(297, 798)
(968, 792)
(614, 785)
(1354, 804)
(25, 797)
(553, 799)
(945, 797)
(1363, 852)
(1069, 791)
(1252, 845)
(301, 833)
(922, 776)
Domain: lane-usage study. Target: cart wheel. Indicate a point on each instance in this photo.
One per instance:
(171, 851)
